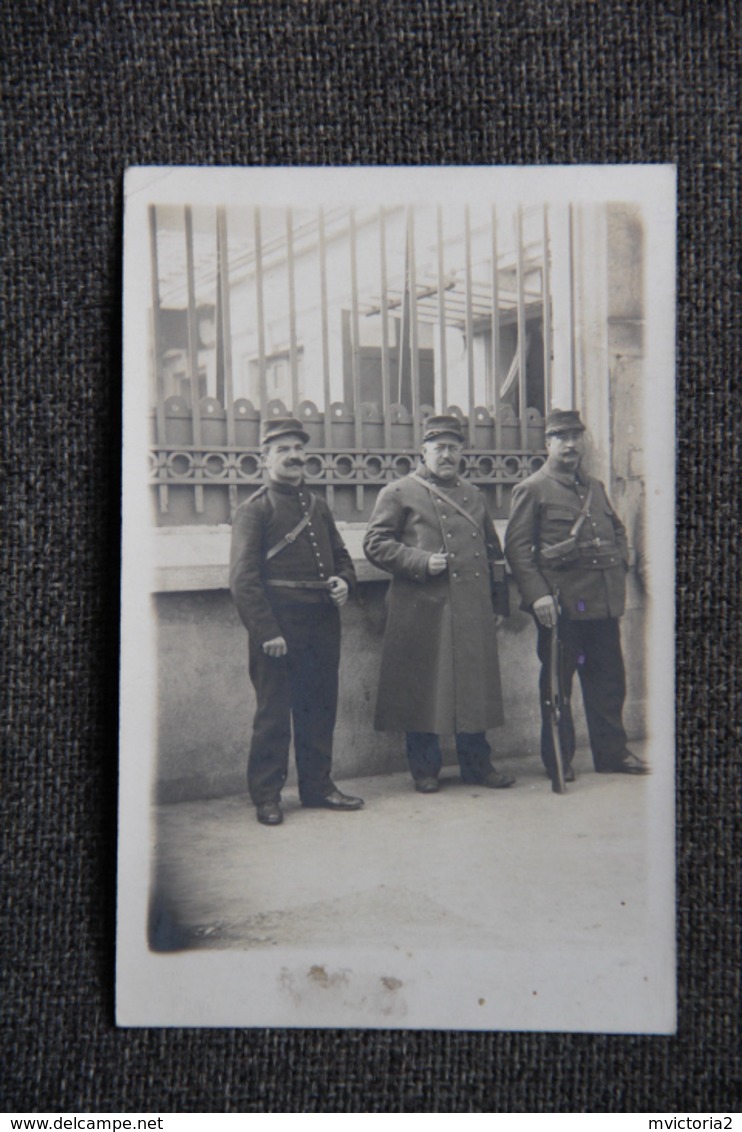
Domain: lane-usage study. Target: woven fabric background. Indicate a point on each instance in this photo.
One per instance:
(90, 88)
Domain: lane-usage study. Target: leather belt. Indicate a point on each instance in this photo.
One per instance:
(299, 585)
(602, 562)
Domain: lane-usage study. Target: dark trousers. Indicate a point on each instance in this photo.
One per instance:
(472, 748)
(303, 686)
(593, 650)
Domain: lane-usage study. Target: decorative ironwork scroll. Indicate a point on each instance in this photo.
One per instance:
(224, 474)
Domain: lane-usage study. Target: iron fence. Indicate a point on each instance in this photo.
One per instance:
(402, 311)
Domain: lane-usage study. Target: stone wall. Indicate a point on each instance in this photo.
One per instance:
(206, 701)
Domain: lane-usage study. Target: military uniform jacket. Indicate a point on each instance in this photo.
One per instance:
(543, 512)
(317, 554)
(439, 668)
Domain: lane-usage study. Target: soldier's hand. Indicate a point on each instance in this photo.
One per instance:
(437, 563)
(338, 591)
(276, 647)
(545, 610)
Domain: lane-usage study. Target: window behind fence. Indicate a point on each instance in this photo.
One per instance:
(361, 323)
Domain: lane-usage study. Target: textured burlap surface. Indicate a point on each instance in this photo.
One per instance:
(92, 88)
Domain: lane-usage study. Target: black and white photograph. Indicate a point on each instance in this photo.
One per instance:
(397, 628)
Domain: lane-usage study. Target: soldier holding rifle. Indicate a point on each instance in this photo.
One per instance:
(568, 552)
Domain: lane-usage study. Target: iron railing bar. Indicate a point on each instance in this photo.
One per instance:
(355, 332)
(193, 344)
(161, 423)
(402, 324)
(469, 321)
(522, 398)
(342, 450)
(356, 479)
(293, 360)
(326, 390)
(386, 408)
(572, 319)
(325, 324)
(414, 358)
(442, 312)
(224, 327)
(546, 312)
(260, 301)
(495, 391)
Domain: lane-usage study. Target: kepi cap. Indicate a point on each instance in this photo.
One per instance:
(563, 420)
(443, 425)
(274, 427)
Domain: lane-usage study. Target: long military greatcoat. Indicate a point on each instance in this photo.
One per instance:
(439, 669)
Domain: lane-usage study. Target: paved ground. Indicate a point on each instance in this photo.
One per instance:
(465, 868)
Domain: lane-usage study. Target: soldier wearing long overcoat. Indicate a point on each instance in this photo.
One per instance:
(439, 672)
(568, 552)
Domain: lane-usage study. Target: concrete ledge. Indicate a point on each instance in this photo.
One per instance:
(197, 558)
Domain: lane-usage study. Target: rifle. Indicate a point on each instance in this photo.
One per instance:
(555, 702)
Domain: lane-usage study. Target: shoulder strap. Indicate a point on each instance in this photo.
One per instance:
(446, 499)
(294, 533)
(583, 514)
(257, 495)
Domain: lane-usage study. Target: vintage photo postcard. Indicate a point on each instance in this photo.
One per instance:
(397, 660)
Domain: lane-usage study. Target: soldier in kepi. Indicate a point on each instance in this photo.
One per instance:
(568, 552)
(439, 669)
(290, 573)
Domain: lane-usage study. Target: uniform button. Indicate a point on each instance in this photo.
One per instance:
(474, 534)
(595, 562)
(455, 575)
(453, 554)
(476, 575)
(476, 554)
